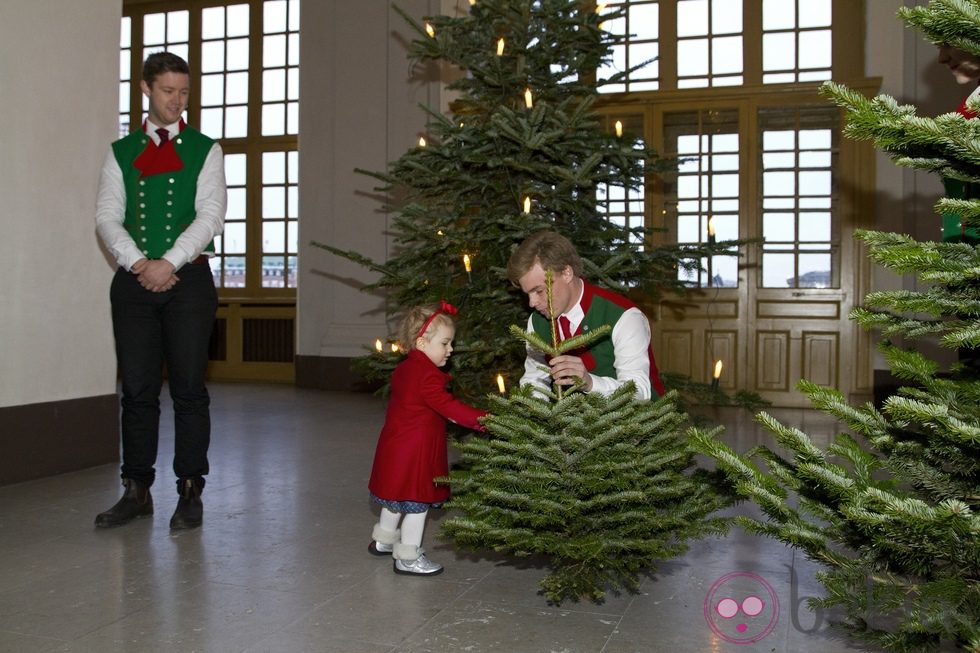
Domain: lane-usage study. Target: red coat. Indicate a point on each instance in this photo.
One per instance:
(412, 447)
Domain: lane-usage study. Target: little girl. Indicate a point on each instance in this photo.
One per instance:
(412, 448)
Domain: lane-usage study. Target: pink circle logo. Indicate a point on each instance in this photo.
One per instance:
(741, 608)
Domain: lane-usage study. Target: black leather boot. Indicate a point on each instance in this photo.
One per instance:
(190, 509)
(136, 502)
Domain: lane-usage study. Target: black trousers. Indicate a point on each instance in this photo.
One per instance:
(172, 327)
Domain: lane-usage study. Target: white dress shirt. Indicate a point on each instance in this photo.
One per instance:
(631, 344)
(210, 202)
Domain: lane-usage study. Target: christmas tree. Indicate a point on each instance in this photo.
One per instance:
(600, 486)
(523, 149)
(893, 510)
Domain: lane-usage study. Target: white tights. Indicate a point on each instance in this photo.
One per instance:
(413, 524)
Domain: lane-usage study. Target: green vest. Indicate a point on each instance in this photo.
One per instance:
(600, 358)
(953, 229)
(159, 207)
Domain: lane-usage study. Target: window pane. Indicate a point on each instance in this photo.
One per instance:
(212, 121)
(274, 85)
(274, 16)
(814, 271)
(236, 91)
(645, 21)
(815, 227)
(814, 13)
(154, 29)
(238, 20)
(235, 169)
(236, 122)
(212, 56)
(726, 55)
(234, 237)
(236, 204)
(778, 14)
(273, 168)
(177, 31)
(274, 51)
(212, 90)
(815, 49)
(726, 16)
(273, 237)
(779, 227)
(692, 18)
(213, 23)
(777, 270)
(779, 51)
(815, 183)
(692, 57)
(778, 183)
(238, 54)
(273, 202)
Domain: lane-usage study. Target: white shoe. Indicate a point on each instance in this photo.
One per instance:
(421, 566)
(377, 548)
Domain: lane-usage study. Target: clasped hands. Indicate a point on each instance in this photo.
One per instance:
(567, 370)
(156, 276)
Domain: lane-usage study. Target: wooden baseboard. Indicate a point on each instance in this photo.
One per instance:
(330, 373)
(55, 437)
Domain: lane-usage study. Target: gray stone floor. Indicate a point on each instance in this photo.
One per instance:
(281, 562)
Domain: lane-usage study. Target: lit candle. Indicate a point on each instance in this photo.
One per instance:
(430, 30)
(600, 7)
(472, 2)
(395, 347)
(500, 46)
(439, 233)
(711, 233)
(527, 98)
(466, 262)
(619, 128)
(421, 141)
(527, 204)
(717, 374)
(500, 383)
(377, 345)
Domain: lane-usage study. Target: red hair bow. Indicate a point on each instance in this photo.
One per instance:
(444, 307)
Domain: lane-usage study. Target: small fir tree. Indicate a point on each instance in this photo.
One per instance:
(893, 512)
(600, 486)
(523, 149)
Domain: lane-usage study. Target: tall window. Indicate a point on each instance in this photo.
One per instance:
(244, 59)
(704, 43)
(765, 48)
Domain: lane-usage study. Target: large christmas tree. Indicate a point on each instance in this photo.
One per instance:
(893, 511)
(522, 149)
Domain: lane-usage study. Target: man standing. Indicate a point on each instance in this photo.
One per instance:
(161, 201)
(607, 363)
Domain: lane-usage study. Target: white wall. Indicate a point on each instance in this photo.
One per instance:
(360, 109)
(59, 66)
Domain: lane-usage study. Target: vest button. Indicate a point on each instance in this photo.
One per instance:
(170, 215)
(167, 227)
(179, 141)
(168, 240)
(142, 227)
(146, 251)
(170, 203)
(142, 205)
(171, 180)
(143, 240)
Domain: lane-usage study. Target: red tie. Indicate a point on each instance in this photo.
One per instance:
(566, 327)
(164, 135)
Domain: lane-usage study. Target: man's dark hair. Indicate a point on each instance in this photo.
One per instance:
(159, 63)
